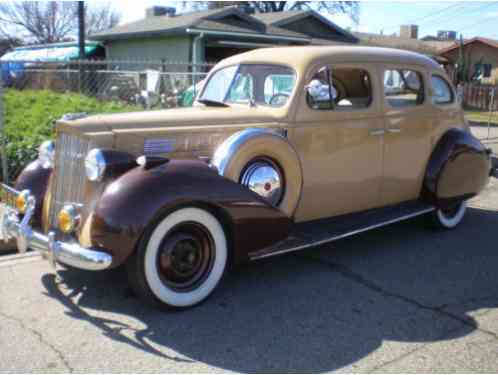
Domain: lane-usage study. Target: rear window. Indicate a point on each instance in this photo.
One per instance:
(344, 89)
(442, 92)
(403, 88)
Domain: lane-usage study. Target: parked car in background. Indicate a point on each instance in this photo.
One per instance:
(284, 149)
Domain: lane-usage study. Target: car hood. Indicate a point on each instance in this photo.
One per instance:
(179, 119)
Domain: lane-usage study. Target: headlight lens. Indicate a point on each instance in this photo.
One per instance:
(22, 201)
(46, 154)
(95, 165)
(69, 219)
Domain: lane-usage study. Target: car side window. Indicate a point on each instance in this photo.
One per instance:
(340, 89)
(242, 89)
(403, 88)
(442, 92)
(278, 88)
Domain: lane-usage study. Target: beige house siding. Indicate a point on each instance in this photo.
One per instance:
(475, 53)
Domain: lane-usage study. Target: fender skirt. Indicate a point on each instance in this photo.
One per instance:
(140, 198)
(459, 169)
(35, 178)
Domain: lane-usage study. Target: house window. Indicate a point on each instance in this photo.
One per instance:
(482, 71)
(403, 88)
(487, 70)
(339, 89)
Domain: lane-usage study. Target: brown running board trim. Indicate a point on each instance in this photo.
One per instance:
(319, 232)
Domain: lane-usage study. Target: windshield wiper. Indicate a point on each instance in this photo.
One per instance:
(212, 103)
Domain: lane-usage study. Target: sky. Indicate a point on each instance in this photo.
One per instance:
(476, 18)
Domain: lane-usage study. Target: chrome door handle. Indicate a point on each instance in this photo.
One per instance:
(394, 130)
(377, 132)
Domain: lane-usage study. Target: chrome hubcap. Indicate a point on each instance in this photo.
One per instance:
(264, 178)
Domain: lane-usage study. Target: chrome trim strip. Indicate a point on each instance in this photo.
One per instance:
(344, 235)
(71, 254)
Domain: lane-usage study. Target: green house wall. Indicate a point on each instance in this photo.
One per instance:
(171, 49)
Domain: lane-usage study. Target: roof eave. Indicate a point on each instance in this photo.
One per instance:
(138, 35)
(247, 35)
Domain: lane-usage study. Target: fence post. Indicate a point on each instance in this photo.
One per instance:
(5, 172)
(491, 101)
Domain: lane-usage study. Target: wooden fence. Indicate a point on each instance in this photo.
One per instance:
(480, 97)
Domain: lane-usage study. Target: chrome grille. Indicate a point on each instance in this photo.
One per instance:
(67, 187)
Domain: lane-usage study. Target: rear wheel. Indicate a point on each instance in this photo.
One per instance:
(448, 218)
(181, 261)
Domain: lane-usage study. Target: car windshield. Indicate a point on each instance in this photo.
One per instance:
(259, 84)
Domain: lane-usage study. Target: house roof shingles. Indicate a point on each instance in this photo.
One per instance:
(490, 42)
(209, 19)
(213, 20)
(378, 40)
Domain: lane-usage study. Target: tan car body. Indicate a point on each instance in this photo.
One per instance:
(345, 166)
(179, 195)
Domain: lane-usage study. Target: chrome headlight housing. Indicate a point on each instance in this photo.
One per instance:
(46, 154)
(95, 165)
(69, 218)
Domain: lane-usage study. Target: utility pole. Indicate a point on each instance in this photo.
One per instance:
(81, 29)
(81, 42)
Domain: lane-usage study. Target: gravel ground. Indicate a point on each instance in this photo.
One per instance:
(398, 299)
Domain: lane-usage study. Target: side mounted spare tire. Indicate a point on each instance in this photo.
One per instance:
(236, 153)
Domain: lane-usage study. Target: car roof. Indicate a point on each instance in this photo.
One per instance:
(301, 57)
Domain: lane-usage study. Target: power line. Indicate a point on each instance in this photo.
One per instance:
(442, 19)
(480, 22)
(425, 16)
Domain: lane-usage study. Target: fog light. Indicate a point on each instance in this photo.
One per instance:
(22, 201)
(69, 219)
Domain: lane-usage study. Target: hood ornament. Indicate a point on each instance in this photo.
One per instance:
(74, 116)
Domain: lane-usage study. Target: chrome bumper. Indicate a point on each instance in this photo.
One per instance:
(71, 254)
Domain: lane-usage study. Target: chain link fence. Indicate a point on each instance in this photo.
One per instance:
(146, 83)
(35, 94)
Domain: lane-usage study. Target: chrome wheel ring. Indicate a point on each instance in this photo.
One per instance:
(263, 177)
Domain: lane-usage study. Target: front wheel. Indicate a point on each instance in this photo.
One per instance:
(448, 218)
(181, 261)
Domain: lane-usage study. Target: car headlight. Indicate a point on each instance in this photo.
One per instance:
(23, 201)
(95, 165)
(46, 154)
(69, 219)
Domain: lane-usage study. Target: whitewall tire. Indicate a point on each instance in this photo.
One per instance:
(449, 219)
(182, 260)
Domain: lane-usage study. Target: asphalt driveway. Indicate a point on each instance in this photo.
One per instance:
(402, 298)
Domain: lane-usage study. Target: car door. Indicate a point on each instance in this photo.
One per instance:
(340, 144)
(408, 126)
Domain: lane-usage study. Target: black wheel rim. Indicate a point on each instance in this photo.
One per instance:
(186, 257)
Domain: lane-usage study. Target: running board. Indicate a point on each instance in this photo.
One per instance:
(319, 232)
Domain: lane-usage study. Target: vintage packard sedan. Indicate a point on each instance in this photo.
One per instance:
(284, 149)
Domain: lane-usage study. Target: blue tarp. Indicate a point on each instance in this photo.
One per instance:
(13, 62)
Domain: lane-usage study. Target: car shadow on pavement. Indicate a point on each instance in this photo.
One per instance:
(316, 311)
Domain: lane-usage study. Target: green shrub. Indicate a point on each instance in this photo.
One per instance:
(30, 117)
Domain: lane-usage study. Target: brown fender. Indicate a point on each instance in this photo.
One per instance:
(459, 169)
(35, 178)
(141, 197)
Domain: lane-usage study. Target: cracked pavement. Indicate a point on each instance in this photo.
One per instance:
(398, 299)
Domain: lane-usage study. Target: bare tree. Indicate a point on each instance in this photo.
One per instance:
(100, 18)
(51, 21)
(351, 8)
